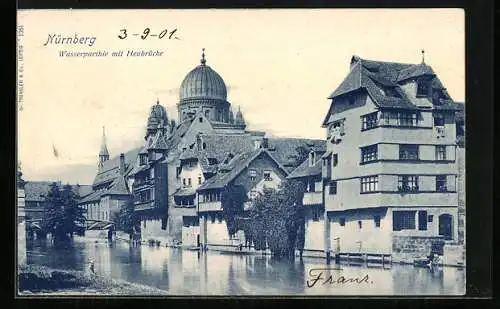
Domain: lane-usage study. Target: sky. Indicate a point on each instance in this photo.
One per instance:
(279, 66)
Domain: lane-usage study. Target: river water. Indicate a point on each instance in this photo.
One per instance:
(184, 272)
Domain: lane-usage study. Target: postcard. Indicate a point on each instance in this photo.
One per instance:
(264, 152)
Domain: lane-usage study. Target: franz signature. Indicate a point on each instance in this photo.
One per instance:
(317, 275)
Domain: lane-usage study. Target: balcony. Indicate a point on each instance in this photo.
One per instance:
(313, 198)
(142, 183)
(140, 205)
(209, 206)
(184, 204)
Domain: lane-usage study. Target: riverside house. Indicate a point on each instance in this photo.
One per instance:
(390, 171)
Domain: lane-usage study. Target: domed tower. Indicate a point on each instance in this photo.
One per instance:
(157, 121)
(204, 90)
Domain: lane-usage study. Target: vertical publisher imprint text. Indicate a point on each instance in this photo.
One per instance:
(20, 66)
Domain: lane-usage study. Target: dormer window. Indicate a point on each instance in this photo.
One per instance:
(423, 88)
(143, 159)
(391, 92)
(436, 96)
(312, 158)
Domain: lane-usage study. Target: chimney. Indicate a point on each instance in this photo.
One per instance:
(122, 164)
(265, 142)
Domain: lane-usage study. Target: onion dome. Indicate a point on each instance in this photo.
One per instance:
(157, 117)
(202, 83)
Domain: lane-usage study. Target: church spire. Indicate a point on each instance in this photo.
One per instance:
(103, 153)
(423, 56)
(203, 60)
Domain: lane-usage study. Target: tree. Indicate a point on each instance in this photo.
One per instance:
(64, 216)
(74, 214)
(276, 218)
(232, 199)
(53, 212)
(126, 219)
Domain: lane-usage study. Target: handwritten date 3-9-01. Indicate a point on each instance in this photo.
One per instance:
(164, 34)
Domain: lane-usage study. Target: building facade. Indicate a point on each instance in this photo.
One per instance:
(309, 173)
(178, 159)
(390, 172)
(110, 190)
(252, 171)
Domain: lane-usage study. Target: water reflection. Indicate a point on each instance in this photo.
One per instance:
(184, 272)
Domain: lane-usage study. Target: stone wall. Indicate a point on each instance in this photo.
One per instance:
(454, 255)
(408, 248)
(151, 229)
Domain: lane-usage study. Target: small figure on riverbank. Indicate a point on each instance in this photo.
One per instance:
(91, 265)
(433, 260)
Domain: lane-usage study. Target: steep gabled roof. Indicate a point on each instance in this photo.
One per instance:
(118, 187)
(415, 71)
(382, 82)
(376, 76)
(179, 133)
(218, 146)
(158, 142)
(36, 191)
(304, 170)
(234, 168)
(94, 196)
(111, 168)
(284, 149)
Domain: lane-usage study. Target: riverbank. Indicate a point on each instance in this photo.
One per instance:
(41, 280)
